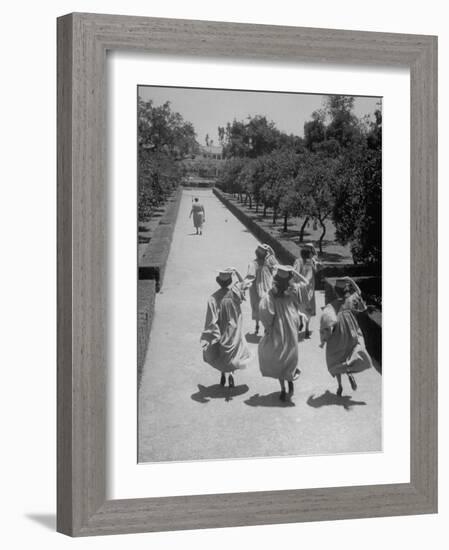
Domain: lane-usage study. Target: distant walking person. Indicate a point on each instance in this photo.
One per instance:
(307, 265)
(223, 342)
(281, 316)
(260, 272)
(199, 216)
(340, 332)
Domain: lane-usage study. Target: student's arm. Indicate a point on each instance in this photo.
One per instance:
(211, 332)
(237, 273)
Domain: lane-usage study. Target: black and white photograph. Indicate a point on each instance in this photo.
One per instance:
(259, 261)
(221, 232)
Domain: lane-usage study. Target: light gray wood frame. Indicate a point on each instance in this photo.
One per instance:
(83, 40)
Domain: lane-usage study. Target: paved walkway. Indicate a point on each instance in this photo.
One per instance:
(184, 414)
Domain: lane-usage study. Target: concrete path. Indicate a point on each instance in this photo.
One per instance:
(184, 414)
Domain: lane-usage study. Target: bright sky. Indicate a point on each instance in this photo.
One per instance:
(207, 109)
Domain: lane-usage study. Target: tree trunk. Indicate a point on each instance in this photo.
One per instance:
(250, 201)
(303, 228)
(322, 236)
(285, 222)
(264, 211)
(257, 207)
(274, 215)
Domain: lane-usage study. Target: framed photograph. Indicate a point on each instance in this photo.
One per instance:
(247, 274)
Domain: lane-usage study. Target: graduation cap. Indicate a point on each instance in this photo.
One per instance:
(284, 271)
(265, 247)
(311, 247)
(225, 274)
(344, 282)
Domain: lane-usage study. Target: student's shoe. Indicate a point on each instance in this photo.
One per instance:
(223, 380)
(231, 381)
(283, 395)
(257, 329)
(352, 382)
(291, 387)
(339, 391)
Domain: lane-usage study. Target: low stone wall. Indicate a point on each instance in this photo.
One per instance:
(146, 296)
(285, 252)
(153, 261)
(151, 275)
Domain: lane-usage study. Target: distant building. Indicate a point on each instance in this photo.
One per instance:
(214, 152)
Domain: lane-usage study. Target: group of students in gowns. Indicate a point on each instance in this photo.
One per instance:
(282, 299)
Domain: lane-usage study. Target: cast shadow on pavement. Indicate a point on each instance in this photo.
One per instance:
(217, 391)
(328, 398)
(269, 400)
(252, 338)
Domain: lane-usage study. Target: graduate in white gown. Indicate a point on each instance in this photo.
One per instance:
(223, 342)
(260, 273)
(281, 316)
(307, 265)
(339, 330)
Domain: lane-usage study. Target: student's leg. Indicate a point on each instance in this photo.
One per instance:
(283, 394)
(223, 379)
(291, 387)
(231, 381)
(257, 327)
(307, 334)
(340, 387)
(352, 381)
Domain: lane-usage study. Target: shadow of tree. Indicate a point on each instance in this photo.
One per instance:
(217, 391)
(328, 398)
(269, 400)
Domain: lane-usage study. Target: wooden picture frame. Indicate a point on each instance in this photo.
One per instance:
(83, 40)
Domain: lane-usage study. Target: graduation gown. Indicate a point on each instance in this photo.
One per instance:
(308, 270)
(262, 275)
(223, 329)
(278, 349)
(345, 349)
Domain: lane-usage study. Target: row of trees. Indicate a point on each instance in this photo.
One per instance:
(164, 140)
(333, 173)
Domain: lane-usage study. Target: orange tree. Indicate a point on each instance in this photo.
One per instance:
(164, 139)
(316, 183)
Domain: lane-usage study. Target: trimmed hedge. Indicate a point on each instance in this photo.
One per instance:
(153, 261)
(146, 296)
(285, 252)
(151, 275)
